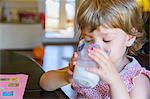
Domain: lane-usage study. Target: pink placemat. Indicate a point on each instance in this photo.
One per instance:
(12, 86)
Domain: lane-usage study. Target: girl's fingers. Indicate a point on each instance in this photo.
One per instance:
(102, 56)
(72, 62)
(105, 53)
(99, 59)
(71, 80)
(72, 65)
(70, 72)
(75, 55)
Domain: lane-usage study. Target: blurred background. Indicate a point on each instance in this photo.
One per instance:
(45, 30)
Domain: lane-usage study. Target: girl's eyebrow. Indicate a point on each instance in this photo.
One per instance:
(110, 35)
(110, 31)
(106, 32)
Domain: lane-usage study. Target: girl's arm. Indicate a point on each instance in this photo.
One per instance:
(141, 88)
(54, 79)
(118, 89)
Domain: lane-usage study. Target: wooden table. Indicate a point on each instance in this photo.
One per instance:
(13, 63)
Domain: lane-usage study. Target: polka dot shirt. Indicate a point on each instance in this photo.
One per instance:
(102, 90)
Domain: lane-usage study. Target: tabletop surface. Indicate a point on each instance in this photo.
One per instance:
(14, 63)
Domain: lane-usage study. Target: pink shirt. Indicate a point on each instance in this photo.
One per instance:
(101, 90)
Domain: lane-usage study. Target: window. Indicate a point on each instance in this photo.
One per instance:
(60, 18)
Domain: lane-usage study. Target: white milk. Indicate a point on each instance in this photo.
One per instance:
(83, 77)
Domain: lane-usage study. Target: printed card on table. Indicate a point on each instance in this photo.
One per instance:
(12, 86)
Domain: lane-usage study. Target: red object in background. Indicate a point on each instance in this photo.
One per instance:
(42, 18)
(38, 54)
(27, 17)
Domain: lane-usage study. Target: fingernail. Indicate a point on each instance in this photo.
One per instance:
(89, 50)
(75, 55)
(94, 48)
(74, 63)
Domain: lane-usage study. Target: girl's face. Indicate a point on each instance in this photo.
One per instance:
(113, 40)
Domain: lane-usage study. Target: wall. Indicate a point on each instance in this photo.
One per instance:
(20, 36)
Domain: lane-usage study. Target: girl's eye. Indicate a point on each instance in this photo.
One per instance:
(107, 41)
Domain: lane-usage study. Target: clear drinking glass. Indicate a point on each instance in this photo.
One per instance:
(81, 76)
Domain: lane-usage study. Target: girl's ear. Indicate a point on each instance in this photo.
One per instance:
(130, 40)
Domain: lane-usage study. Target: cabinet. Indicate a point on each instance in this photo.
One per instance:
(15, 30)
(15, 11)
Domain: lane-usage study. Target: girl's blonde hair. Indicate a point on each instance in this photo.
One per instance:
(123, 14)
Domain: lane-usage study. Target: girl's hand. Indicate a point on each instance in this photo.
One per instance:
(105, 68)
(72, 64)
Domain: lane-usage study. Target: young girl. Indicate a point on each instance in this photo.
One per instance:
(117, 26)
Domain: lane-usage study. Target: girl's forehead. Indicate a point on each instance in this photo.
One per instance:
(103, 30)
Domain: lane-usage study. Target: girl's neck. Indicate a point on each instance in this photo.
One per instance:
(122, 63)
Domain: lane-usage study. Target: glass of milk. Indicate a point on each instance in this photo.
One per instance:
(81, 76)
